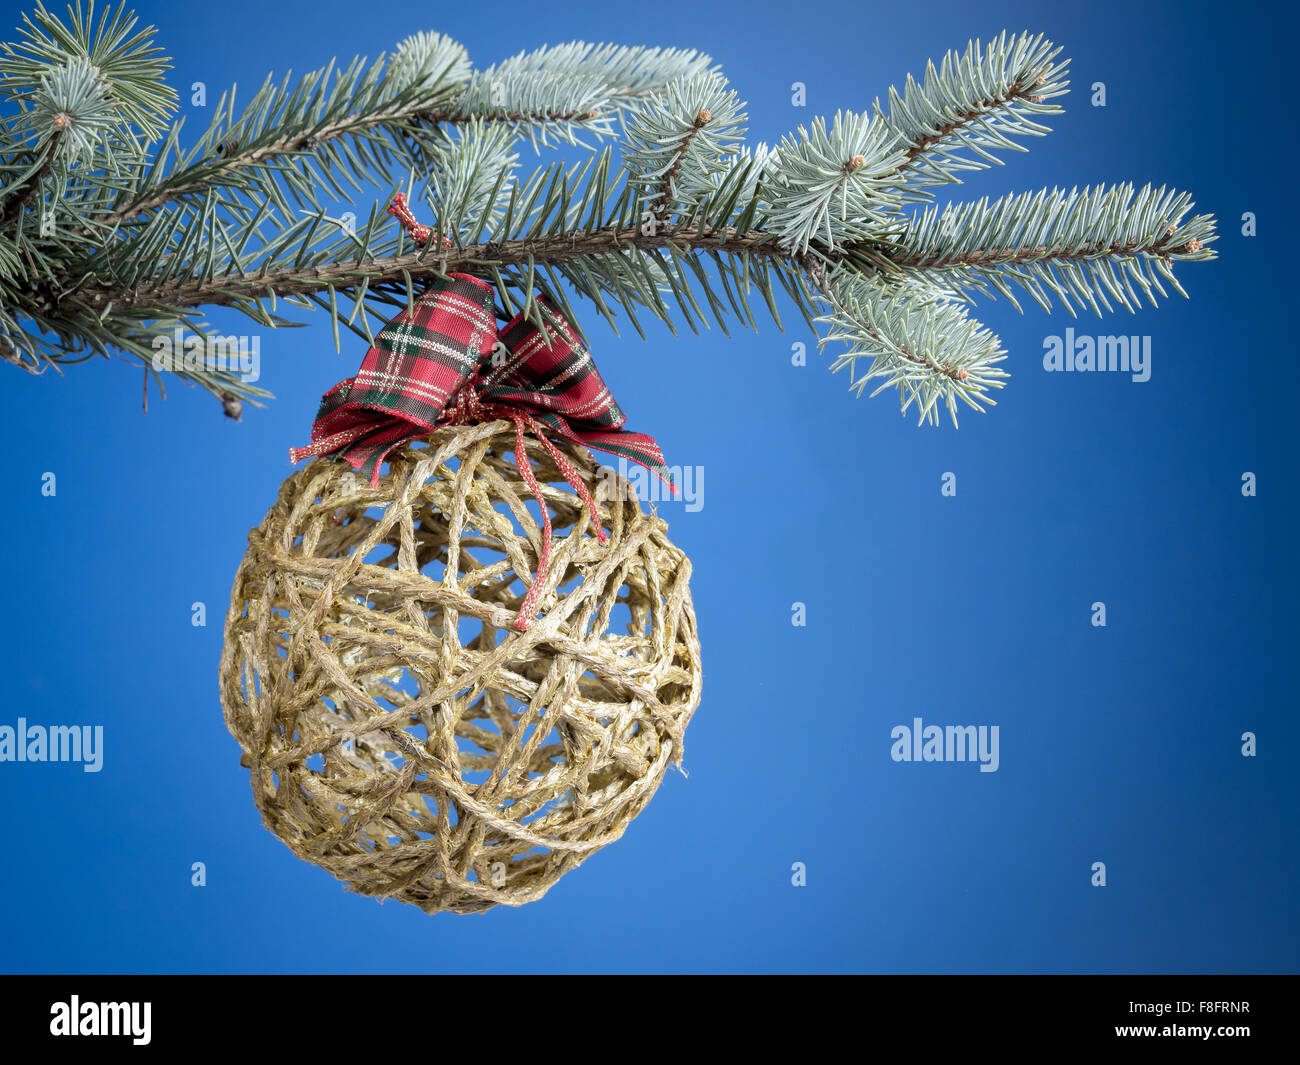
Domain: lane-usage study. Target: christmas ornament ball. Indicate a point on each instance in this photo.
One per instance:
(399, 730)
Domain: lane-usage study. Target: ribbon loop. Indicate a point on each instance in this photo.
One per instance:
(444, 362)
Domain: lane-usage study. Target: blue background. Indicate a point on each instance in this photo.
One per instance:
(1118, 744)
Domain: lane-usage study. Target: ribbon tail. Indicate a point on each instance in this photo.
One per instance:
(363, 447)
(528, 608)
(638, 447)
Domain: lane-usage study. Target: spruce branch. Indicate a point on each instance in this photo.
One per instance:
(631, 72)
(14, 199)
(919, 340)
(129, 67)
(368, 119)
(833, 183)
(106, 247)
(971, 105)
(336, 119)
(468, 178)
(676, 140)
(422, 264)
(1085, 247)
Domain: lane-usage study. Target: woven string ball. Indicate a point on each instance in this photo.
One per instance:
(399, 731)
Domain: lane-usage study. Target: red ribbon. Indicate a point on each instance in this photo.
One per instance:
(443, 362)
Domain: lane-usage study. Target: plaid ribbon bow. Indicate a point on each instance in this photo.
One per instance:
(443, 362)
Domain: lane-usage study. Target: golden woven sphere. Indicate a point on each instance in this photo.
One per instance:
(399, 732)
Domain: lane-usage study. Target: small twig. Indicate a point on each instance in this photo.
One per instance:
(998, 257)
(914, 357)
(965, 118)
(665, 190)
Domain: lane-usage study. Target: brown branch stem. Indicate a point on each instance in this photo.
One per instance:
(965, 118)
(1004, 256)
(916, 358)
(227, 289)
(666, 189)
